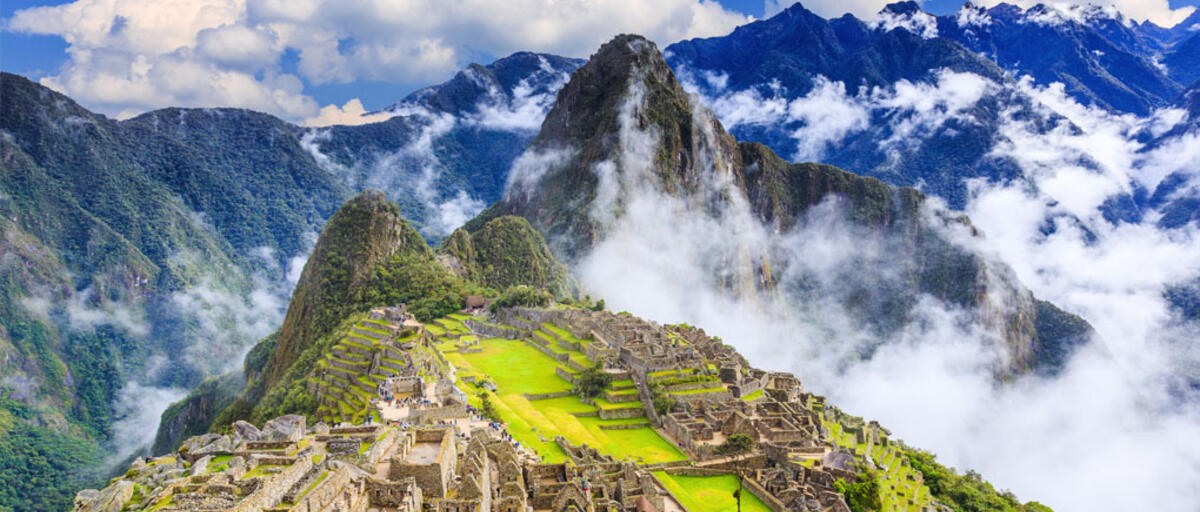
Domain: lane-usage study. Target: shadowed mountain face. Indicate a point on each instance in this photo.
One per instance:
(625, 152)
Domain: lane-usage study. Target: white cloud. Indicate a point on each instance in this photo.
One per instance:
(828, 113)
(352, 113)
(137, 412)
(1108, 433)
(1158, 11)
(919, 23)
(128, 56)
(527, 170)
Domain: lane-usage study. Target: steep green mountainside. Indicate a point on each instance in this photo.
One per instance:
(366, 232)
(367, 255)
(625, 95)
(129, 246)
(505, 252)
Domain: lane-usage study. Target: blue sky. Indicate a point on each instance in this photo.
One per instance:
(125, 58)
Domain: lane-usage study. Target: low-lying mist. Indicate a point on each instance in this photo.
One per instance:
(1111, 431)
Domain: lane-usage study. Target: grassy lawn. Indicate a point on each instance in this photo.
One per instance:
(621, 384)
(453, 325)
(753, 396)
(709, 493)
(517, 368)
(564, 334)
(700, 391)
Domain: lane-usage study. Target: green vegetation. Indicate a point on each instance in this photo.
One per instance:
(591, 382)
(663, 402)
(523, 296)
(709, 493)
(488, 407)
(519, 369)
(41, 469)
(965, 493)
(507, 251)
(863, 495)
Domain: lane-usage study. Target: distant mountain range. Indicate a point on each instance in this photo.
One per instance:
(921, 100)
(155, 250)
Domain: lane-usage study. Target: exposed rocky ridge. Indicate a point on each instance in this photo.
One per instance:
(1095, 52)
(694, 159)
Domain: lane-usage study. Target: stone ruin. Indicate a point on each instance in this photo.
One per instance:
(432, 464)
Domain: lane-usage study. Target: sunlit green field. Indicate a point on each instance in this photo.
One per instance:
(709, 493)
(518, 369)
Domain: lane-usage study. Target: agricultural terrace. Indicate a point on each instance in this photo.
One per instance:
(897, 480)
(519, 369)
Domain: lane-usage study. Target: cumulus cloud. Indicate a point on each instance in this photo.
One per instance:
(352, 113)
(127, 56)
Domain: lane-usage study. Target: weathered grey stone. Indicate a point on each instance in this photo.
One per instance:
(194, 443)
(200, 467)
(283, 428)
(86, 497)
(244, 432)
(222, 444)
(111, 499)
(319, 429)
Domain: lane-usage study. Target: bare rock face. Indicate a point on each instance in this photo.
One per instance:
(319, 429)
(111, 499)
(284, 428)
(244, 432)
(200, 467)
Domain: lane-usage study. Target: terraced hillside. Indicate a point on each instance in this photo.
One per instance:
(348, 379)
(545, 409)
(530, 371)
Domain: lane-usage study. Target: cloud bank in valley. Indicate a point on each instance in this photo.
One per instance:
(1111, 431)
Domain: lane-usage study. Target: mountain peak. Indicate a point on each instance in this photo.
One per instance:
(366, 231)
(628, 50)
(906, 7)
(587, 105)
